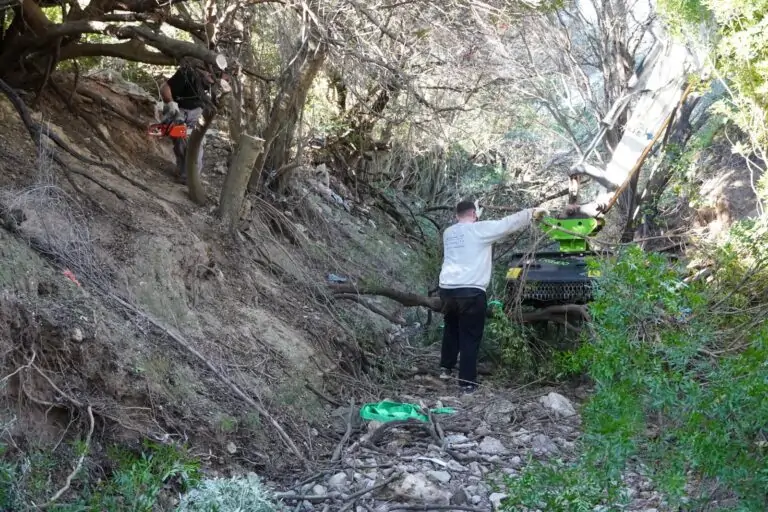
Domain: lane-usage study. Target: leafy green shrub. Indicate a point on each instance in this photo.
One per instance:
(236, 494)
(133, 485)
(672, 390)
(739, 54)
(506, 343)
(8, 480)
(138, 479)
(559, 487)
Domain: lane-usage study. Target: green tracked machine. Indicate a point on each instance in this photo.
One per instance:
(553, 278)
(555, 281)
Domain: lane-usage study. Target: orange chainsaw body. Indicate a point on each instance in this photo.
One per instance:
(174, 131)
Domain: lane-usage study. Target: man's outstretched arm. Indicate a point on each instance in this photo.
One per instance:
(490, 231)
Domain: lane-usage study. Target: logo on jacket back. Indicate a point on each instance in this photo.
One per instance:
(453, 240)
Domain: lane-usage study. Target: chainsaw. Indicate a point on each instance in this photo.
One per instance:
(173, 128)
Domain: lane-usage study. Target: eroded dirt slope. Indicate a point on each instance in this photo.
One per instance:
(253, 305)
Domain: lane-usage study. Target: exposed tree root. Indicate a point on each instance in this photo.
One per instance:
(407, 299)
(36, 132)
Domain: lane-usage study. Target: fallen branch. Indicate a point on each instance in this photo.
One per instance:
(372, 307)
(79, 464)
(312, 498)
(405, 298)
(559, 313)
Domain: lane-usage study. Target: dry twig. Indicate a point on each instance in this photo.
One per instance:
(79, 464)
(337, 452)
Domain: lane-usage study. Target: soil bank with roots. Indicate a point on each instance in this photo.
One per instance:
(136, 303)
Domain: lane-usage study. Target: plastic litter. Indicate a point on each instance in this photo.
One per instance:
(385, 411)
(333, 278)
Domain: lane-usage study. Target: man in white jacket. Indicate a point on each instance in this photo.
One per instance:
(466, 272)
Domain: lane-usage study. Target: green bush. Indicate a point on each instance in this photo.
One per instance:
(506, 343)
(133, 485)
(137, 479)
(673, 389)
(739, 54)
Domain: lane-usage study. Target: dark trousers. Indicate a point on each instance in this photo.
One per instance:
(180, 145)
(464, 318)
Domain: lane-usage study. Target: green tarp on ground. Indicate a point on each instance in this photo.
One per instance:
(385, 411)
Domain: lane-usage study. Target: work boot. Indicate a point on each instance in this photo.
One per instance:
(446, 373)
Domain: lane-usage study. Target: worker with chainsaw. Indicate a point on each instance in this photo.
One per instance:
(185, 95)
(464, 277)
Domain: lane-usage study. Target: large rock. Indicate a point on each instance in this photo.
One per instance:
(416, 486)
(338, 481)
(439, 477)
(559, 404)
(496, 499)
(491, 446)
(500, 411)
(542, 445)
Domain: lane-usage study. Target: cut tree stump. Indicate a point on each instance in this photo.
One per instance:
(236, 183)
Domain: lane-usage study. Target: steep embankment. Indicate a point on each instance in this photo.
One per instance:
(168, 326)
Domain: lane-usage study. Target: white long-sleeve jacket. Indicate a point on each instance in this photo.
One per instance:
(468, 249)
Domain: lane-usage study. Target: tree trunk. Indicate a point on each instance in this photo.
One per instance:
(278, 135)
(237, 109)
(236, 182)
(647, 204)
(192, 170)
